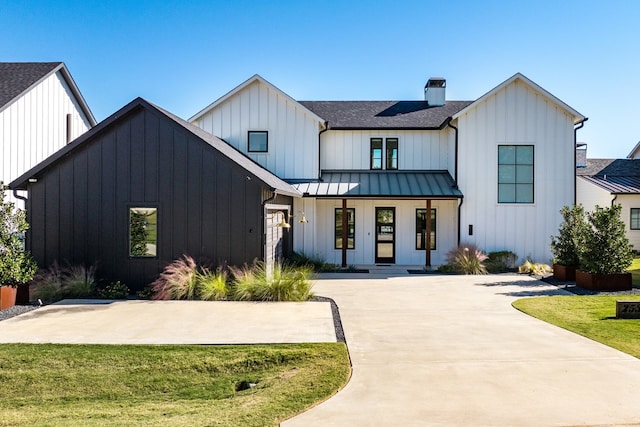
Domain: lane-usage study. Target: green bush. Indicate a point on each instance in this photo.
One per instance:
(116, 290)
(282, 283)
(213, 285)
(606, 247)
(299, 259)
(467, 259)
(501, 261)
(570, 241)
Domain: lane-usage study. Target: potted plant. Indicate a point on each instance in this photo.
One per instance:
(607, 252)
(16, 265)
(566, 246)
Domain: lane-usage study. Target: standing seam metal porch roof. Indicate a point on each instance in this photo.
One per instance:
(396, 185)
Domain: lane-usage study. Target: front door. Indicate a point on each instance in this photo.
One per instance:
(385, 235)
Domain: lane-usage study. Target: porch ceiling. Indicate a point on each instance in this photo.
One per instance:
(400, 184)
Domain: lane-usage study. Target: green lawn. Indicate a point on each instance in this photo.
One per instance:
(634, 269)
(590, 316)
(58, 385)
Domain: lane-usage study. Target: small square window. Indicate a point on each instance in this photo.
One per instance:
(635, 218)
(258, 141)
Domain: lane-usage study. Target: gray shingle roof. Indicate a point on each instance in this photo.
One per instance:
(401, 184)
(384, 114)
(617, 176)
(16, 77)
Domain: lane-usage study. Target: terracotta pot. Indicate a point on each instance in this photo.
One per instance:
(564, 273)
(604, 282)
(7, 296)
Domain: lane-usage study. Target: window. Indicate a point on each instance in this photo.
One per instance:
(351, 228)
(376, 153)
(143, 232)
(421, 229)
(258, 141)
(515, 174)
(392, 153)
(635, 219)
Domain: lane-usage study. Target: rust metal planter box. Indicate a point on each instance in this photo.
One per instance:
(7, 296)
(603, 282)
(564, 273)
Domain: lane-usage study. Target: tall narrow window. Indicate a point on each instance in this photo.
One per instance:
(351, 228)
(143, 232)
(376, 153)
(421, 229)
(258, 141)
(515, 174)
(635, 219)
(392, 153)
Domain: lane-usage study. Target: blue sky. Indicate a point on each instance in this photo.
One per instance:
(182, 55)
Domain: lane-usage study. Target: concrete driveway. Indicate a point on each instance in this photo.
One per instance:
(451, 351)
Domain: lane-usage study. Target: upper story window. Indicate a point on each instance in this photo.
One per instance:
(515, 174)
(258, 141)
(635, 219)
(377, 148)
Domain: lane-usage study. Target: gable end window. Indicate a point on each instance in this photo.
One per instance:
(392, 153)
(351, 228)
(515, 173)
(421, 229)
(635, 219)
(258, 141)
(376, 154)
(143, 232)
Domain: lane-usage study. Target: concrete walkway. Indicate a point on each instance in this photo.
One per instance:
(172, 322)
(451, 351)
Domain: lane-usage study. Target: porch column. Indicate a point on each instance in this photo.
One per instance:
(427, 237)
(345, 224)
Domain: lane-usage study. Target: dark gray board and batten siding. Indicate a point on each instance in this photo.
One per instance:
(208, 206)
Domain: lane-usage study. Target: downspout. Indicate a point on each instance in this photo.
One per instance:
(455, 164)
(614, 199)
(575, 153)
(17, 196)
(326, 128)
(459, 222)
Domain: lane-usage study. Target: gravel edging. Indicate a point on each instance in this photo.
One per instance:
(16, 310)
(337, 322)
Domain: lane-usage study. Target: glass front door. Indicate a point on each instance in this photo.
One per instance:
(385, 235)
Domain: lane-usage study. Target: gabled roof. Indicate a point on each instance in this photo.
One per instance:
(617, 176)
(577, 117)
(239, 88)
(225, 149)
(384, 114)
(396, 185)
(17, 78)
(633, 152)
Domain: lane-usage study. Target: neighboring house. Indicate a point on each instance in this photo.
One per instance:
(605, 182)
(144, 187)
(494, 171)
(41, 110)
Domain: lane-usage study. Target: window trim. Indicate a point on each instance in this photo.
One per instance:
(631, 227)
(130, 207)
(433, 229)
(515, 183)
(339, 224)
(371, 157)
(387, 158)
(266, 134)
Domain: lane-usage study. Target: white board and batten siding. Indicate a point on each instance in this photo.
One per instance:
(292, 130)
(589, 195)
(35, 126)
(317, 237)
(515, 115)
(417, 149)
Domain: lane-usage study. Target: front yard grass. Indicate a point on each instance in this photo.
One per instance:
(590, 316)
(55, 385)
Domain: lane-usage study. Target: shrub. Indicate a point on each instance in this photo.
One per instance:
(282, 283)
(116, 290)
(606, 247)
(501, 261)
(569, 242)
(535, 269)
(78, 281)
(299, 259)
(467, 259)
(178, 280)
(213, 285)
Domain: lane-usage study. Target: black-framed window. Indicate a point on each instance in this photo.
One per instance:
(376, 153)
(351, 228)
(421, 229)
(143, 232)
(515, 173)
(392, 153)
(258, 141)
(635, 219)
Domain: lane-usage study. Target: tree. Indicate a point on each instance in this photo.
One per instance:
(569, 242)
(16, 264)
